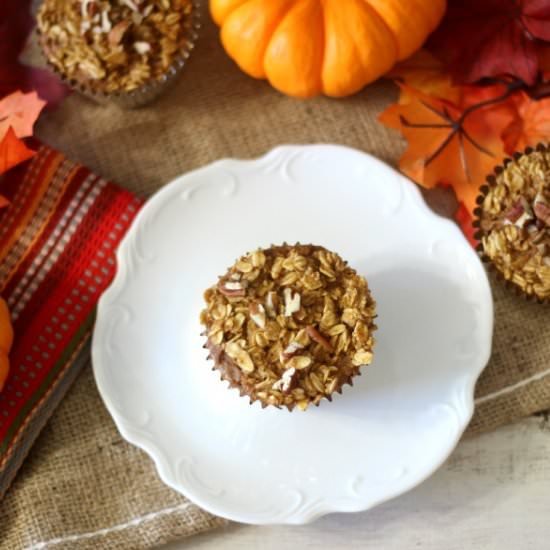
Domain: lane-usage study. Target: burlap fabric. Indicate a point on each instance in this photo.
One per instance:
(82, 485)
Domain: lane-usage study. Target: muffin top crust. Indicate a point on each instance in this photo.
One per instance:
(289, 325)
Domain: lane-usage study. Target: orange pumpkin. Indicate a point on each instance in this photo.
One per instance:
(6, 340)
(336, 47)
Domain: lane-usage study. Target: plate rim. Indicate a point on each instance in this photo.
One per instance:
(117, 284)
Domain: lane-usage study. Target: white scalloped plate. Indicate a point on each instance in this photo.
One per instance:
(382, 437)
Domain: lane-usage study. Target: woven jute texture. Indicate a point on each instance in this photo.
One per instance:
(82, 483)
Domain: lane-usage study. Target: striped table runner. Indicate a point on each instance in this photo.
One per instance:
(57, 242)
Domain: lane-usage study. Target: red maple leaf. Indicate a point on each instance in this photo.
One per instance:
(484, 38)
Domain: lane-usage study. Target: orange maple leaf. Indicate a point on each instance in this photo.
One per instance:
(446, 147)
(12, 151)
(425, 73)
(20, 111)
(530, 124)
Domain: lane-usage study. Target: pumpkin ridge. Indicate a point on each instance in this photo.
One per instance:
(268, 43)
(324, 52)
(252, 64)
(294, 56)
(409, 33)
(324, 43)
(371, 19)
(376, 13)
(221, 20)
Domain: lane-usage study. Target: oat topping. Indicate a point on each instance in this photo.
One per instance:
(114, 45)
(515, 223)
(290, 325)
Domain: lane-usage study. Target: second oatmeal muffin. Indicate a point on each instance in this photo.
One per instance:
(125, 49)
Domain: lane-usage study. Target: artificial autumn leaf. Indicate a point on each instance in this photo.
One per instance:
(484, 38)
(426, 73)
(15, 25)
(541, 88)
(450, 144)
(543, 55)
(530, 124)
(20, 111)
(12, 151)
(492, 107)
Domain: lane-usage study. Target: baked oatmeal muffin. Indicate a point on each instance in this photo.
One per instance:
(514, 222)
(289, 325)
(121, 50)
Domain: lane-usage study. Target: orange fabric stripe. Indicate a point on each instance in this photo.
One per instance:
(43, 225)
(44, 208)
(25, 216)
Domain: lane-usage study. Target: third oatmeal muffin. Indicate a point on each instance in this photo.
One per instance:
(514, 222)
